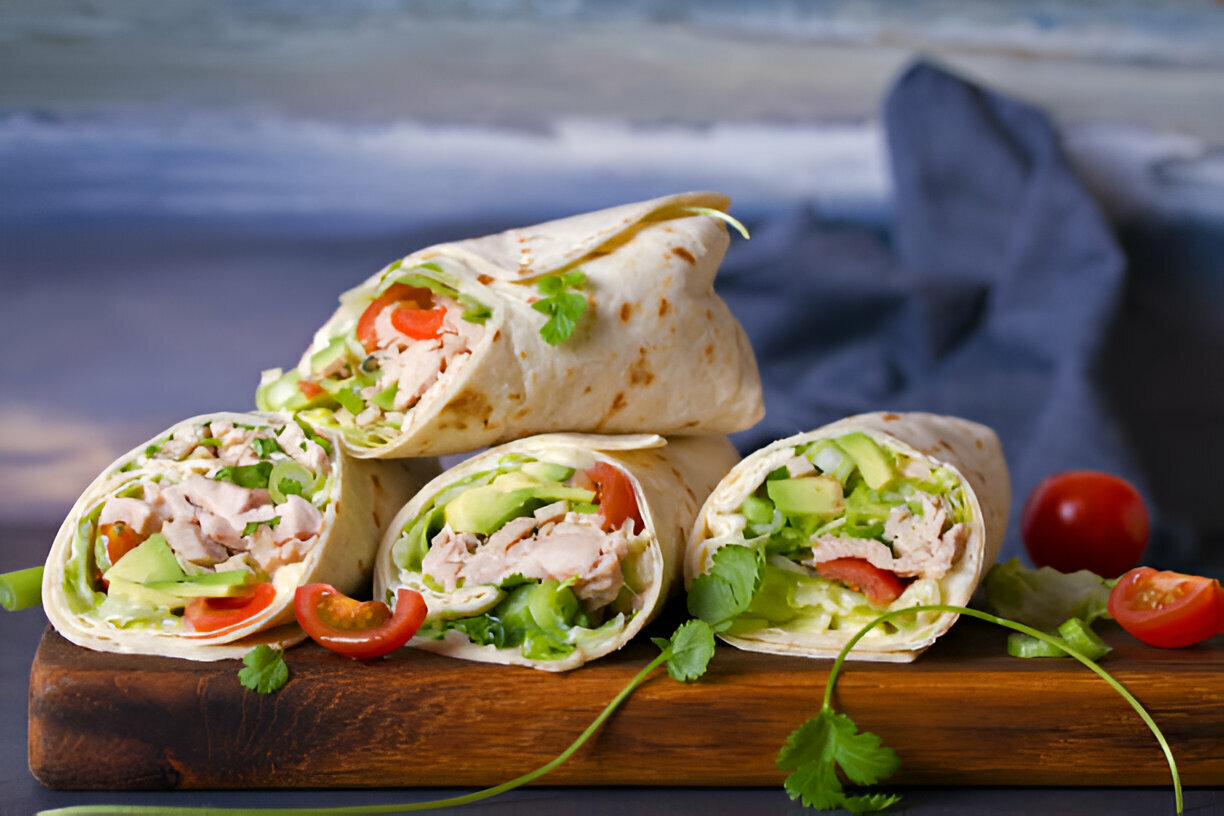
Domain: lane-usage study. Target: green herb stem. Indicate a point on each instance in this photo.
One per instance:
(1028, 630)
(373, 810)
(21, 589)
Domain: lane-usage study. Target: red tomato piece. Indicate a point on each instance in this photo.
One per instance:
(212, 614)
(396, 293)
(419, 324)
(120, 540)
(615, 497)
(1168, 609)
(310, 389)
(1085, 520)
(880, 586)
(358, 629)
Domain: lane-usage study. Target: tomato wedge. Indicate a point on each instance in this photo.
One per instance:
(120, 539)
(419, 297)
(880, 586)
(211, 614)
(359, 629)
(310, 389)
(615, 497)
(419, 324)
(1167, 609)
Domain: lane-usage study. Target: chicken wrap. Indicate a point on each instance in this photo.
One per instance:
(605, 322)
(871, 513)
(552, 550)
(193, 544)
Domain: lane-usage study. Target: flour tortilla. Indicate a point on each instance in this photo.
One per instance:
(969, 449)
(656, 352)
(670, 480)
(363, 498)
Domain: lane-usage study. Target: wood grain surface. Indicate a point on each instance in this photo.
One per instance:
(964, 714)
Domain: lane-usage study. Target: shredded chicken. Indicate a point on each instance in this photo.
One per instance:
(548, 545)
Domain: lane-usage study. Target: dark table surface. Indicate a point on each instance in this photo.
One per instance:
(22, 795)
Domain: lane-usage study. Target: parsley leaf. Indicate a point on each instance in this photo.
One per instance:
(815, 750)
(563, 306)
(249, 476)
(727, 589)
(265, 447)
(689, 650)
(265, 670)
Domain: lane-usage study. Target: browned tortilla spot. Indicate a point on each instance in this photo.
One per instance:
(618, 402)
(663, 306)
(639, 371)
(469, 405)
(586, 390)
(496, 335)
(692, 423)
(485, 279)
(891, 417)
(709, 315)
(515, 397)
(522, 412)
(979, 444)
(522, 355)
(626, 310)
(709, 351)
(685, 254)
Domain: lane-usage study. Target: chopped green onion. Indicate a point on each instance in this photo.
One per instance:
(21, 589)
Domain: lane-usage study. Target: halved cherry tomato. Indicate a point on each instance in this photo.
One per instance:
(310, 389)
(120, 539)
(419, 324)
(880, 586)
(1085, 519)
(360, 629)
(396, 293)
(211, 614)
(1167, 609)
(614, 495)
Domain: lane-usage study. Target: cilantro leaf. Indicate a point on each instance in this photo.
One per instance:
(265, 447)
(692, 646)
(814, 752)
(252, 526)
(265, 670)
(249, 476)
(727, 589)
(563, 306)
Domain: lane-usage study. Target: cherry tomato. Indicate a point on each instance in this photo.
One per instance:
(1168, 609)
(396, 293)
(880, 586)
(615, 497)
(211, 614)
(1084, 519)
(359, 629)
(120, 540)
(419, 324)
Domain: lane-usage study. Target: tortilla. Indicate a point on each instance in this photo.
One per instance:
(471, 618)
(956, 451)
(352, 501)
(656, 350)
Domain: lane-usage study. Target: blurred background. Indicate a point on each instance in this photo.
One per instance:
(185, 187)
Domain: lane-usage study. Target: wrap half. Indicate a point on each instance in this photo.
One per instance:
(605, 322)
(192, 544)
(871, 513)
(552, 550)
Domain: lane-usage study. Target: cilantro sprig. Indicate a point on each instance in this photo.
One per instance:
(563, 304)
(686, 654)
(829, 742)
(264, 671)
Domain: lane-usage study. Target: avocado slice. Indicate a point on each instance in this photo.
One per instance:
(547, 471)
(225, 584)
(872, 462)
(151, 560)
(485, 509)
(146, 596)
(806, 495)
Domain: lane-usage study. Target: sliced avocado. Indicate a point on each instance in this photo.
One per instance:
(335, 350)
(872, 462)
(197, 589)
(806, 495)
(547, 472)
(151, 560)
(486, 508)
(144, 595)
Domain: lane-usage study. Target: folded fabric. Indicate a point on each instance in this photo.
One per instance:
(1001, 279)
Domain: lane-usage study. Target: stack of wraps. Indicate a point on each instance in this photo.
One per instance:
(241, 506)
(871, 513)
(604, 325)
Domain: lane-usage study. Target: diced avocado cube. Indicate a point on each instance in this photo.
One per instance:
(806, 495)
(151, 560)
(547, 472)
(872, 461)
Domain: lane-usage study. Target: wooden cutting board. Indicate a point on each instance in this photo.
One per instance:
(964, 714)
